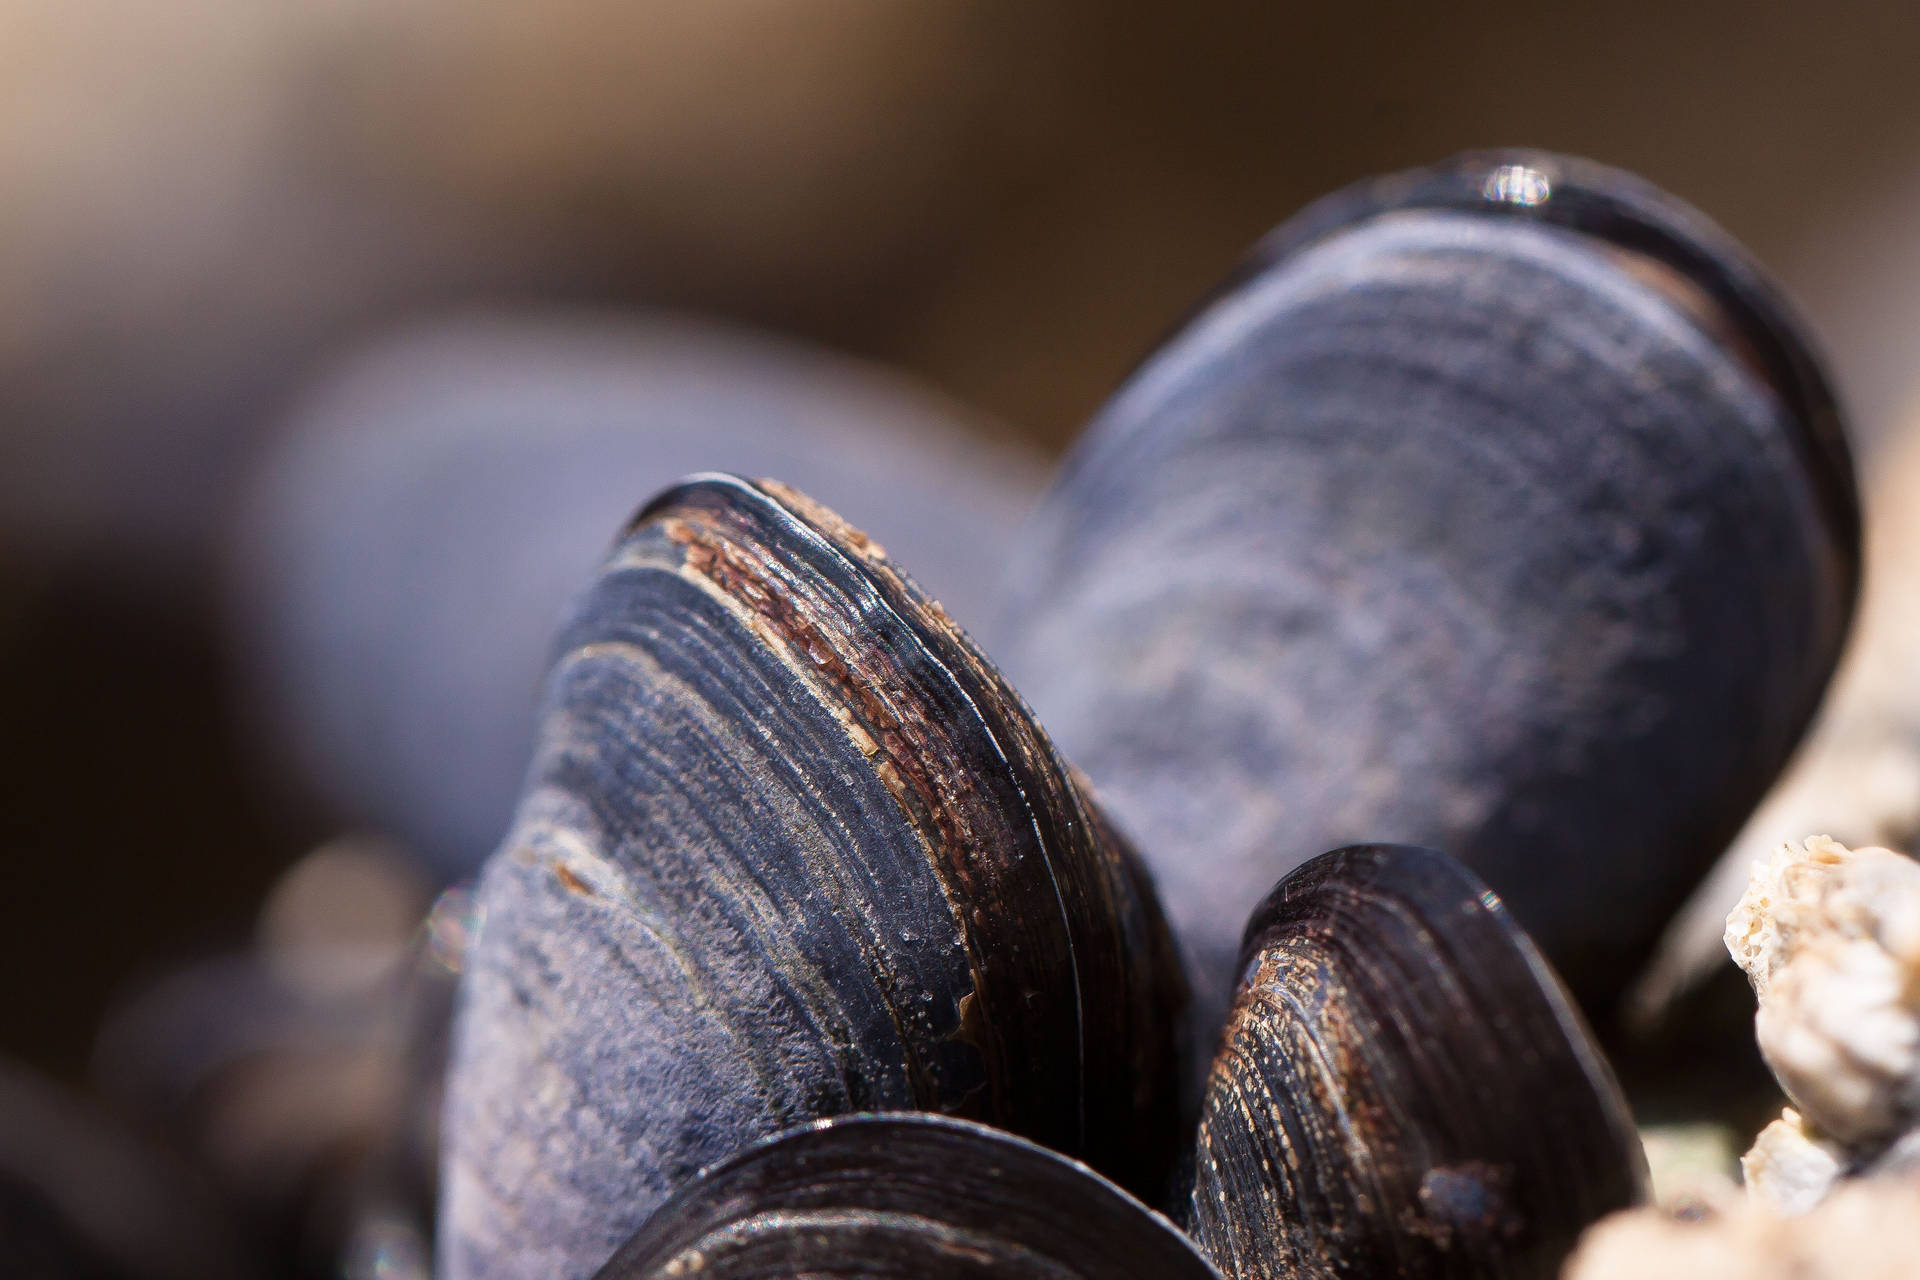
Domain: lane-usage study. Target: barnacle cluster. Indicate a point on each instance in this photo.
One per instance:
(1829, 937)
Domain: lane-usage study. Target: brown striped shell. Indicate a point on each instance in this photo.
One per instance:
(1404, 1088)
(790, 848)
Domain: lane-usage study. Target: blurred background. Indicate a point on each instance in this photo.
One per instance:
(270, 273)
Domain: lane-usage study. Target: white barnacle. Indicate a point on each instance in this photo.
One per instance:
(1830, 939)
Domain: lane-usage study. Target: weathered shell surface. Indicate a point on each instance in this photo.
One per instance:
(790, 849)
(1404, 1089)
(907, 1196)
(1495, 507)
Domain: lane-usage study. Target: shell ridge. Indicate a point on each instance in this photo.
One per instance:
(869, 598)
(870, 943)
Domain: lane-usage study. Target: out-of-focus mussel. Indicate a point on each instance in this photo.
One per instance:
(1497, 507)
(426, 514)
(909, 1196)
(1404, 1089)
(790, 848)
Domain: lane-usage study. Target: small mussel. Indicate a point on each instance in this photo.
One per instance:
(1497, 507)
(790, 848)
(1404, 1089)
(905, 1195)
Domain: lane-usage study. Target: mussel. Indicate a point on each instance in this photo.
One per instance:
(1497, 507)
(1403, 1088)
(907, 1196)
(790, 848)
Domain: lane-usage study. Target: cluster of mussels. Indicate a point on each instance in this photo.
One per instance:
(1495, 508)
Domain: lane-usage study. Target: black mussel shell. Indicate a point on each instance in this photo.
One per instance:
(1663, 241)
(790, 849)
(1497, 507)
(905, 1195)
(1404, 1089)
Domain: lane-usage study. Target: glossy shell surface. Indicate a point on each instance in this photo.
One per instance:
(906, 1196)
(790, 849)
(1404, 1089)
(1496, 507)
